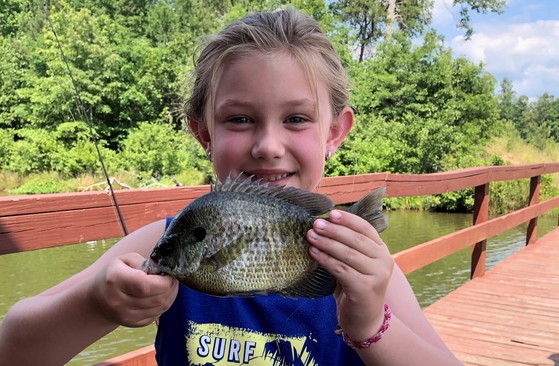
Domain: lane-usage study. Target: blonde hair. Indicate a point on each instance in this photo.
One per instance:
(283, 30)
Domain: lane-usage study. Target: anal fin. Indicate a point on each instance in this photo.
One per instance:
(319, 284)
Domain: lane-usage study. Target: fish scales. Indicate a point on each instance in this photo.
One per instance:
(275, 254)
(246, 239)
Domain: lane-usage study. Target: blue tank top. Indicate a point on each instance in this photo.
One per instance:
(200, 329)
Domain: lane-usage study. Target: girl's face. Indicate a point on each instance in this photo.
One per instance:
(267, 122)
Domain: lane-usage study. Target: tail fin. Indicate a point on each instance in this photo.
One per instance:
(370, 207)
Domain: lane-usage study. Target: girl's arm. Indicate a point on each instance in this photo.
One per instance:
(54, 326)
(349, 248)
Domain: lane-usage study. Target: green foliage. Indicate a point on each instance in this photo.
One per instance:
(536, 121)
(40, 185)
(6, 146)
(152, 148)
(67, 150)
(159, 149)
(457, 201)
(416, 106)
(32, 150)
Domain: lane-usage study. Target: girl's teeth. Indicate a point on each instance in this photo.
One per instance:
(274, 178)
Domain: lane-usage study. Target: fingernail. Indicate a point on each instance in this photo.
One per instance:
(321, 224)
(314, 250)
(313, 234)
(335, 214)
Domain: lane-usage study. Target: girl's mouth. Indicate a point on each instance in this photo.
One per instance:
(269, 178)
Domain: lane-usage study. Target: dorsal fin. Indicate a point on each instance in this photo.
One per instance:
(313, 203)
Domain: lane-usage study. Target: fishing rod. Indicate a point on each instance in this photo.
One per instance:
(81, 108)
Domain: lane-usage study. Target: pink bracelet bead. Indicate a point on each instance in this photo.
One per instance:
(374, 339)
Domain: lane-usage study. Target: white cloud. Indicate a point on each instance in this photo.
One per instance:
(442, 13)
(527, 53)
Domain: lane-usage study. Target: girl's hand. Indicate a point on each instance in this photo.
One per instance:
(350, 249)
(128, 296)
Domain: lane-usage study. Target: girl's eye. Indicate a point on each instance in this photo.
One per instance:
(296, 119)
(240, 119)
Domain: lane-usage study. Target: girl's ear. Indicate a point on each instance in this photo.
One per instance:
(200, 132)
(340, 128)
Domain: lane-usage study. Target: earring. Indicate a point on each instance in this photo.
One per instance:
(328, 155)
(209, 154)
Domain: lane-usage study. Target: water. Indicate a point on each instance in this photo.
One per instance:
(430, 283)
(28, 273)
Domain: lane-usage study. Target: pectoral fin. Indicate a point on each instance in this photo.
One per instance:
(226, 255)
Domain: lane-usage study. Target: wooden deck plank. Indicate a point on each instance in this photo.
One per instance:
(477, 360)
(510, 316)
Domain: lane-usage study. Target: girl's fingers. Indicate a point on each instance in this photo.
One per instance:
(355, 223)
(348, 247)
(138, 284)
(351, 232)
(338, 259)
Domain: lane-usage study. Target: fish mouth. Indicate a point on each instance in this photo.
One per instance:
(150, 267)
(153, 268)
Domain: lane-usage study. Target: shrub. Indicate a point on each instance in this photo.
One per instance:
(41, 184)
(155, 148)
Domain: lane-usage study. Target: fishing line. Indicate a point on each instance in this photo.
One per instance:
(81, 107)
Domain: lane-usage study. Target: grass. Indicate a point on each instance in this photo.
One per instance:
(13, 183)
(514, 150)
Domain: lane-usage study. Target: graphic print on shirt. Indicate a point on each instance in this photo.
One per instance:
(220, 345)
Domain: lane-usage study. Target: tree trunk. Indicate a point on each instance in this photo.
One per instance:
(391, 15)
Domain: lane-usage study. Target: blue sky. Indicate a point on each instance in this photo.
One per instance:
(521, 44)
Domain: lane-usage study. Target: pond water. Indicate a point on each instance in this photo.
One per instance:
(28, 273)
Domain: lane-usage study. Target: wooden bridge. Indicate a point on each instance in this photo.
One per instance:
(510, 316)
(507, 316)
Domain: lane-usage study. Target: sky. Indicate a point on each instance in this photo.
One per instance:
(521, 44)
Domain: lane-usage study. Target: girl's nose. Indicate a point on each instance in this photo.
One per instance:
(267, 143)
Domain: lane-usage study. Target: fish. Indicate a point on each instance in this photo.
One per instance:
(245, 238)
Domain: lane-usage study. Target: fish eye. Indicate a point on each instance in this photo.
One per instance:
(199, 233)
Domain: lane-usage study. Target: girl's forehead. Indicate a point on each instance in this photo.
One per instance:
(280, 62)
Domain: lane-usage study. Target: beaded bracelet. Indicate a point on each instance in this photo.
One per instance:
(374, 339)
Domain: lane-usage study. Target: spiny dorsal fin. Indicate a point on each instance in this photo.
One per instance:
(370, 207)
(313, 203)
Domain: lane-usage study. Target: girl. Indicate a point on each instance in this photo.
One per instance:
(270, 100)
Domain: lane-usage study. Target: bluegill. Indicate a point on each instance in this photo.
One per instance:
(245, 239)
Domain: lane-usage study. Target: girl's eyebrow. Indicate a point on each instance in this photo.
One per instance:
(306, 102)
(231, 103)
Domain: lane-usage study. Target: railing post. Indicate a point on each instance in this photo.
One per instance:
(532, 230)
(481, 214)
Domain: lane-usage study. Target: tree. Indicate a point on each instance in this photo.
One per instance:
(373, 20)
(541, 120)
(416, 105)
(507, 101)
(479, 6)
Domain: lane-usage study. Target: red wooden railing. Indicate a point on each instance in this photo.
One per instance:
(41, 221)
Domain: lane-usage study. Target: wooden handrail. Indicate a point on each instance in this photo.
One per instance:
(42, 221)
(423, 254)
